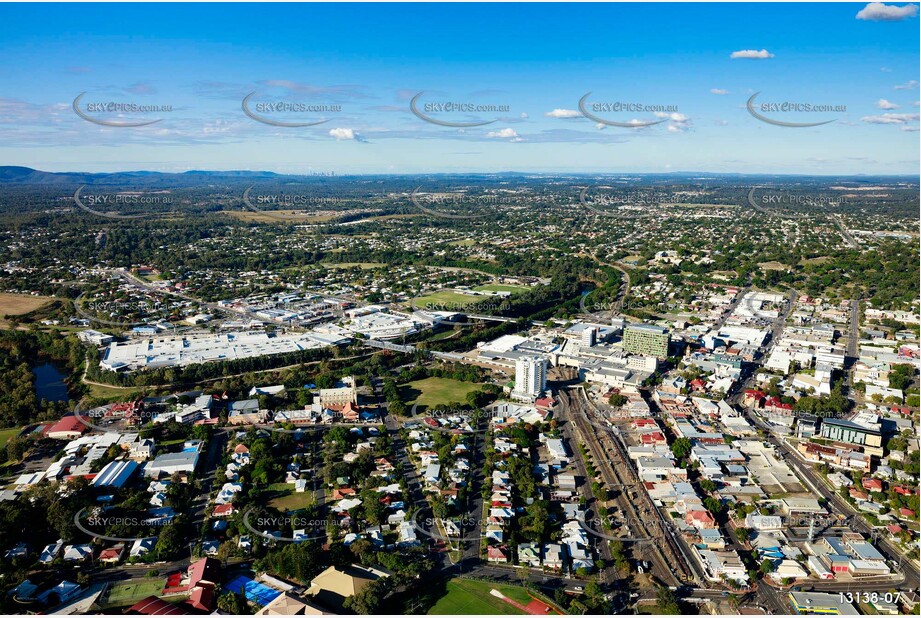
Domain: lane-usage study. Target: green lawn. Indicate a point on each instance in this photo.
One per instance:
(283, 497)
(361, 265)
(6, 434)
(445, 300)
(436, 391)
(466, 597)
(501, 287)
(130, 592)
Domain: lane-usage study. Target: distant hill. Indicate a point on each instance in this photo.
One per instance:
(13, 174)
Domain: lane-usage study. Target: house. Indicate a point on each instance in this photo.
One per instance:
(699, 519)
(112, 555)
(529, 554)
(553, 556)
(288, 604)
(51, 552)
(331, 587)
(210, 547)
(78, 553)
(142, 546)
(223, 510)
(497, 554)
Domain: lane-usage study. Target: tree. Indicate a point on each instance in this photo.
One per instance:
(681, 448)
(666, 601)
(233, 603)
(368, 599)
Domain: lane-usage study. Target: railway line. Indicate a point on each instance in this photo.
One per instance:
(613, 465)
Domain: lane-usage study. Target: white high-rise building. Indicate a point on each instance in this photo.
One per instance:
(530, 376)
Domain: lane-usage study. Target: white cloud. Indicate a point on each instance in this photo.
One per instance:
(877, 11)
(917, 103)
(885, 69)
(564, 113)
(909, 85)
(672, 128)
(751, 54)
(524, 116)
(890, 118)
(884, 104)
(503, 133)
(674, 117)
(907, 128)
(718, 91)
(341, 134)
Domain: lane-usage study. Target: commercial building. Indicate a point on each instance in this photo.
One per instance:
(115, 474)
(646, 339)
(848, 432)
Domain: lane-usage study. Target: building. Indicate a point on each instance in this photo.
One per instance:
(170, 463)
(646, 339)
(68, 428)
(848, 432)
(334, 585)
(338, 397)
(821, 603)
(115, 474)
(530, 376)
(288, 604)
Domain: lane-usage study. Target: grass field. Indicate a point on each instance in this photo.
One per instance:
(278, 216)
(20, 304)
(773, 266)
(6, 434)
(112, 392)
(466, 596)
(500, 287)
(436, 391)
(467, 242)
(129, 593)
(362, 265)
(446, 300)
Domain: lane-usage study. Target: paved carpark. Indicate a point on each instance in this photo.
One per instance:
(773, 475)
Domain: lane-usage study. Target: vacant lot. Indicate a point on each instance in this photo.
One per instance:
(20, 304)
(284, 498)
(436, 391)
(466, 596)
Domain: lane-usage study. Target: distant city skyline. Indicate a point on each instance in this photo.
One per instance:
(382, 73)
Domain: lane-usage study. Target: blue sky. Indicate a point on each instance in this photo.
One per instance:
(535, 60)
